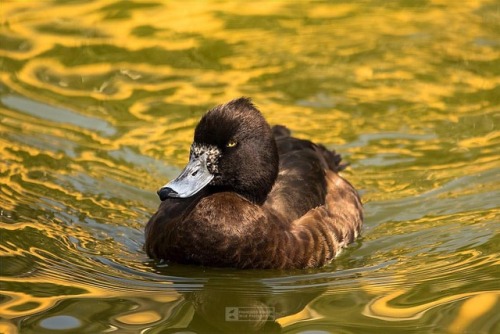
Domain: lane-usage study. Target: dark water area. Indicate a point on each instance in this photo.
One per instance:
(98, 101)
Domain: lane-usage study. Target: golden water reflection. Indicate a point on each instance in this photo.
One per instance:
(480, 302)
(98, 101)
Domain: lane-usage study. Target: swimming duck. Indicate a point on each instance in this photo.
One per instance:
(252, 196)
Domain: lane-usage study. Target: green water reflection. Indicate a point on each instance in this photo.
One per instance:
(98, 101)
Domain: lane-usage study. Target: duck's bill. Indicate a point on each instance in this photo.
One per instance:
(192, 179)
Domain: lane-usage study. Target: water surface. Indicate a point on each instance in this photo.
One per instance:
(98, 100)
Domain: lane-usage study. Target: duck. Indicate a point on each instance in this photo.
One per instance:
(253, 196)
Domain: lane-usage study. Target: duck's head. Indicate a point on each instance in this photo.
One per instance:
(233, 150)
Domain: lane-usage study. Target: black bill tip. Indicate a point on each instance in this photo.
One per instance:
(166, 192)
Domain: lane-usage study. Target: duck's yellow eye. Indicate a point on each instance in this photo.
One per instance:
(231, 143)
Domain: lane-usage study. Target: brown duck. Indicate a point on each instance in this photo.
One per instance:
(252, 196)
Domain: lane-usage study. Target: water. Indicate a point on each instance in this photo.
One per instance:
(98, 101)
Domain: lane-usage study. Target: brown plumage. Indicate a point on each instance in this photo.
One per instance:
(254, 197)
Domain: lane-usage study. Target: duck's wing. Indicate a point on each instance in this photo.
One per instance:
(321, 234)
(301, 184)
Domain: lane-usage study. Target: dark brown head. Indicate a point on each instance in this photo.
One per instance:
(233, 150)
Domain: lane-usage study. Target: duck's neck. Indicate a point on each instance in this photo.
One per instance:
(252, 197)
(257, 188)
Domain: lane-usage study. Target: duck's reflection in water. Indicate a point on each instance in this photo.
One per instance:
(235, 310)
(233, 305)
(223, 300)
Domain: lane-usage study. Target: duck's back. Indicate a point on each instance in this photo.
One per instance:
(301, 184)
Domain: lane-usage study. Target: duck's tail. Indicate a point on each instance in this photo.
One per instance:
(332, 159)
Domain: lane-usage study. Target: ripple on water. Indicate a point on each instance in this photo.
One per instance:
(60, 322)
(50, 113)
